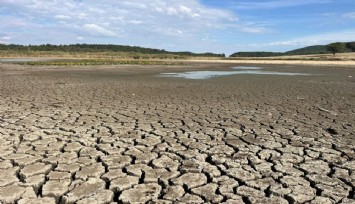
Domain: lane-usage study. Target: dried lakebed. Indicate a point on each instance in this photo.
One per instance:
(121, 134)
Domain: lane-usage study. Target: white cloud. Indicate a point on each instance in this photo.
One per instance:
(319, 39)
(349, 15)
(62, 17)
(5, 39)
(13, 21)
(151, 23)
(188, 25)
(255, 30)
(98, 30)
(135, 22)
(189, 16)
(341, 36)
(181, 11)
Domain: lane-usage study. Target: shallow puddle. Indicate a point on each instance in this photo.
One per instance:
(241, 70)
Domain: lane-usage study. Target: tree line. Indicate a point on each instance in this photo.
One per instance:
(341, 47)
(100, 48)
(257, 54)
(332, 48)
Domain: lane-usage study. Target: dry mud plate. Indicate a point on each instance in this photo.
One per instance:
(121, 134)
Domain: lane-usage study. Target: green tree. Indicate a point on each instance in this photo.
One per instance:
(336, 47)
(351, 46)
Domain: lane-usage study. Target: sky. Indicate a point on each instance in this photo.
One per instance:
(219, 26)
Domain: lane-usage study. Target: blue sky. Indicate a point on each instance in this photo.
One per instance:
(221, 26)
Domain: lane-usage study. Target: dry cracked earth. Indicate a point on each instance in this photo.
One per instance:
(122, 134)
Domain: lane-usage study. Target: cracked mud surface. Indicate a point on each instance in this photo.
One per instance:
(102, 135)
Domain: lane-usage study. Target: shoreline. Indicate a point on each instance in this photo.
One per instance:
(347, 63)
(280, 62)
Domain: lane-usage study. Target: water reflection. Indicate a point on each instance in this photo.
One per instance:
(241, 70)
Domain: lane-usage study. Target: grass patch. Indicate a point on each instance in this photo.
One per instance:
(93, 62)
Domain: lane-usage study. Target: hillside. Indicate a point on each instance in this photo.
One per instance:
(124, 50)
(310, 50)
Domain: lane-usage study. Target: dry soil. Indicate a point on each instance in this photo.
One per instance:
(122, 134)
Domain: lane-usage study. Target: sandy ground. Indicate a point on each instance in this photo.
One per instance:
(122, 134)
(347, 63)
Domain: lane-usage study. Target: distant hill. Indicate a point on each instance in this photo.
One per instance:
(310, 50)
(99, 48)
(316, 49)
